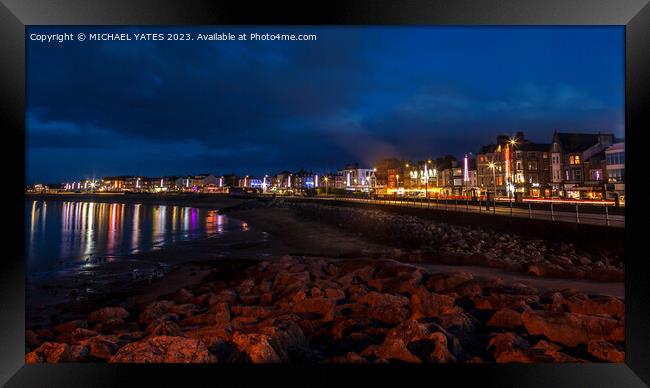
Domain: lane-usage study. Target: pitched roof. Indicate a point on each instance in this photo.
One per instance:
(616, 147)
(576, 142)
(534, 147)
(487, 149)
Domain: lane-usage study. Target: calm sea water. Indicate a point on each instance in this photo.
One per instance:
(62, 234)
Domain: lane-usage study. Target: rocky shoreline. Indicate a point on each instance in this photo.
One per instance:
(422, 240)
(296, 309)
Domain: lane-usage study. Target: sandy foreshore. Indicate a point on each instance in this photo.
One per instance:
(273, 232)
(281, 234)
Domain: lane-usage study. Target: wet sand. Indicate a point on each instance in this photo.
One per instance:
(273, 232)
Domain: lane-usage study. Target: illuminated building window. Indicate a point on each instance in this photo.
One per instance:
(574, 159)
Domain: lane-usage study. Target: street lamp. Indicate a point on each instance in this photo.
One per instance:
(426, 182)
(374, 180)
(513, 143)
(407, 174)
(493, 166)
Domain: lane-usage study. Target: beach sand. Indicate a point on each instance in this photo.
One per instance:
(272, 232)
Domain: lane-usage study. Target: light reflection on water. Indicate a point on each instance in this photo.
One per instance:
(60, 233)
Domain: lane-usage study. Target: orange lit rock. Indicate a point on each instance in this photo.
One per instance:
(183, 296)
(69, 327)
(606, 351)
(163, 349)
(107, 313)
(221, 314)
(566, 328)
(505, 317)
(225, 296)
(427, 304)
(257, 347)
(499, 301)
(285, 279)
(411, 341)
(322, 306)
(199, 319)
(81, 334)
(444, 282)
(385, 307)
(155, 310)
(509, 347)
(185, 310)
(50, 352)
(596, 305)
(164, 327)
(101, 347)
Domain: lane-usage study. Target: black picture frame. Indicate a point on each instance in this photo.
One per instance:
(15, 15)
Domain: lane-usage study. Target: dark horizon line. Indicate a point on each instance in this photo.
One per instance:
(328, 170)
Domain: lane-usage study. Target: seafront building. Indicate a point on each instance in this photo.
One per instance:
(355, 178)
(577, 164)
(615, 169)
(571, 166)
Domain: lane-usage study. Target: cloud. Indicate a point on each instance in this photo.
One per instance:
(356, 94)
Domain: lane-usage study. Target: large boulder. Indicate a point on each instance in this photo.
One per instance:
(114, 325)
(101, 347)
(258, 348)
(322, 306)
(428, 304)
(70, 326)
(509, 347)
(412, 341)
(106, 313)
(444, 282)
(221, 313)
(161, 327)
(505, 317)
(199, 320)
(209, 335)
(186, 309)
(80, 334)
(405, 281)
(457, 322)
(183, 296)
(259, 312)
(500, 301)
(225, 296)
(50, 352)
(385, 307)
(287, 338)
(567, 328)
(286, 279)
(155, 310)
(163, 349)
(608, 274)
(606, 351)
(606, 305)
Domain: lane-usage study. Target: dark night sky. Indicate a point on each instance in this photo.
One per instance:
(355, 95)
